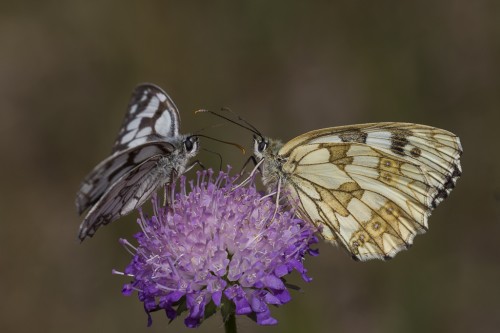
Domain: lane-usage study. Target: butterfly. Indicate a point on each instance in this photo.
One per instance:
(148, 153)
(369, 188)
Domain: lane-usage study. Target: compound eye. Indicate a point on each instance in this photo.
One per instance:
(189, 143)
(262, 146)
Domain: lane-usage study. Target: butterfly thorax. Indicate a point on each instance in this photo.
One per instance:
(272, 167)
(175, 164)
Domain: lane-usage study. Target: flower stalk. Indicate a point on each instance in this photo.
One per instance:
(230, 324)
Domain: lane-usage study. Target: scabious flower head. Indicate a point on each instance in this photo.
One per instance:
(217, 247)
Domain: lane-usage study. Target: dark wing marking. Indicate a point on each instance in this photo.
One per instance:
(151, 115)
(125, 195)
(113, 168)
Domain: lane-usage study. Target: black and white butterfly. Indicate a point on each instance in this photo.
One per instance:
(148, 153)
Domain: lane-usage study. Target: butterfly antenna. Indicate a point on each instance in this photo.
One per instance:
(255, 130)
(208, 127)
(249, 128)
(222, 141)
(216, 153)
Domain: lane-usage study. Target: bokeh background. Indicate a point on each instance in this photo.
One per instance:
(66, 72)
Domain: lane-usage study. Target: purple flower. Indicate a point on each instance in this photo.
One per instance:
(217, 247)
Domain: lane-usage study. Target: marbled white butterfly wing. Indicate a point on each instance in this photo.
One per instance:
(370, 187)
(152, 115)
(113, 168)
(125, 195)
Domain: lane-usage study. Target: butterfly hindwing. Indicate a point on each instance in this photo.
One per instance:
(113, 168)
(151, 115)
(365, 181)
(124, 195)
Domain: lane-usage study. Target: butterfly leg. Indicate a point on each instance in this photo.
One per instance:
(278, 192)
(246, 180)
(268, 195)
(175, 175)
(170, 187)
(195, 163)
(250, 159)
(218, 155)
(166, 201)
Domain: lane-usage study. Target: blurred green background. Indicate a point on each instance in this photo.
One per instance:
(67, 69)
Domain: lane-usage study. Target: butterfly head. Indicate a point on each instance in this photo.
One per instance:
(265, 147)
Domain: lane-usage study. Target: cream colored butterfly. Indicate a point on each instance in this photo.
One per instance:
(370, 187)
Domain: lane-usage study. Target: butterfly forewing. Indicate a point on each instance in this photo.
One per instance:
(151, 115)
(371, 187)
(435, 150)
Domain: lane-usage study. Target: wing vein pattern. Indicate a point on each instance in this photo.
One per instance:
(372, 187)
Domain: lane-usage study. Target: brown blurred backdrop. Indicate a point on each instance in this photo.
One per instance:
(66, 73)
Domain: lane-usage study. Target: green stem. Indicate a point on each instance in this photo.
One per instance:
(230, 324)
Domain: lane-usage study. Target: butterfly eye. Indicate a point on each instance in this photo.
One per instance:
(189, 143)
(262, 145)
